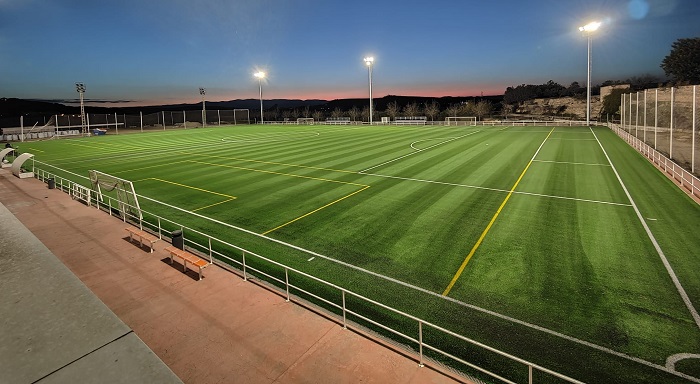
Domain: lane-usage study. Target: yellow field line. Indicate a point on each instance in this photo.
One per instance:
(276, 173)
(315, 210)
(488, 227)
(190, 187)
(285, 164)
(211, 205)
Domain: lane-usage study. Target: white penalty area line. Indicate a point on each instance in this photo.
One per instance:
(664, 260)
(418, 151)
(497, 190)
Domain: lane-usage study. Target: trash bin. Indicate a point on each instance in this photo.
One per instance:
(177, 239)
(51, 182)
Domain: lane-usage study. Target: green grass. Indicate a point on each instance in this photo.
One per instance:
(567, 267)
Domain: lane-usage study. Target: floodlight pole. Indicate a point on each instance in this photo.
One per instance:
(588, 30)
(260, 76)
(80, 87)
(203, 91)
(369, 61)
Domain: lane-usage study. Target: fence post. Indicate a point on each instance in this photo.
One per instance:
(420, 343)
(636, 118)
(670, 141)
(345, 321)
(286, 281)
(645, 116)
(141, 116)
(163, 112)
(160, 232)
(692, 160)
(211, 253)
(245, 278)
(529, 373)
(218, 113)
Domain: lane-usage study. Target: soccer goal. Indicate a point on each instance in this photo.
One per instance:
(460, 120)
(241, 116)
(305, 120)
(103, 183)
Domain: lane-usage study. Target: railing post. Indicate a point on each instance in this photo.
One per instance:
(245, 278)
(109, 205)
(286, 281)
(529, 374)
(160, 231)
(420, 343)
(211, 253)
(345, 321)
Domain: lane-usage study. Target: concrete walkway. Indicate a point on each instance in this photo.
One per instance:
(217, 330)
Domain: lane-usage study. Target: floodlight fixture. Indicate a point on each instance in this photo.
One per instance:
(370, 61)
(260, 75)
(80, 87)
(588, 30)
(203, 91)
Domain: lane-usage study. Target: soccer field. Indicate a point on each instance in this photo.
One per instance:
(560, 245)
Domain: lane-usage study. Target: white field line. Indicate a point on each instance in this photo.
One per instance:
(563, 139)
(496, 189)
(664, 260)
(566, 162)
(418, 151)
(420, 141)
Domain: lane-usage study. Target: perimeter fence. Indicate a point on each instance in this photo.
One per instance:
(666, 119)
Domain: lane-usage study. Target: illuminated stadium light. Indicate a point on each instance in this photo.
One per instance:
(588, 30)
(80, 87)
(260, 75)
(370, 61)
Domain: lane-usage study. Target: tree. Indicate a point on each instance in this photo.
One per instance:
(306, 111)
(337, 112)
(392, 109)
(611, 102)
(482, 108)
(317, 115)
(411, 110)
(432, 110)
(354, 113)
(683, 63)
(453, 110)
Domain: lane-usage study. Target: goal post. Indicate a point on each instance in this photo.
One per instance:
(103, 183)
(460, 120)
(241, 116)
(305, 120)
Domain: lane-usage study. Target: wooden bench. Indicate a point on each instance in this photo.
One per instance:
(187, 258)
(142, 235)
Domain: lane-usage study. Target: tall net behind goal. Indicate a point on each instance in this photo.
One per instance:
(119, 189)
(460, 120)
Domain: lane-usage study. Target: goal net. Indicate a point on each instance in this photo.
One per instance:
(460, 120)
(305, 120)
(241, 116)
(119, 189)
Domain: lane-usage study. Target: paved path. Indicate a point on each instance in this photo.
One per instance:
(217, 330)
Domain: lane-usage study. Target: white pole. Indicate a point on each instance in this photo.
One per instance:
(218, 113)
(636, 118)
(645, 116)
(692, 156)
(670, 141)
(116, 123)
(262, 119)
(371, 107)
(141, 116)
(163, 112)
(656, 114)
(588, 87)
(87, 117)
(21, 124)
(622, 111)
(57, 125)
(184, 119)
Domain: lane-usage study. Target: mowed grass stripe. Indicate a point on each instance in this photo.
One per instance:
(488, 227)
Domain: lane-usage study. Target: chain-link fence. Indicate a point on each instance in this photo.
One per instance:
(30, 126)
(667, 120)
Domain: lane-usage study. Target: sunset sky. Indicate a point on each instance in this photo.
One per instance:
(160, 52)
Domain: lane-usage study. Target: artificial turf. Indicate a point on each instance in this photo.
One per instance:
(554, 244)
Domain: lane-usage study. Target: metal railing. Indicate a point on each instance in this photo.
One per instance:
(227, 260)
(686, 179)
